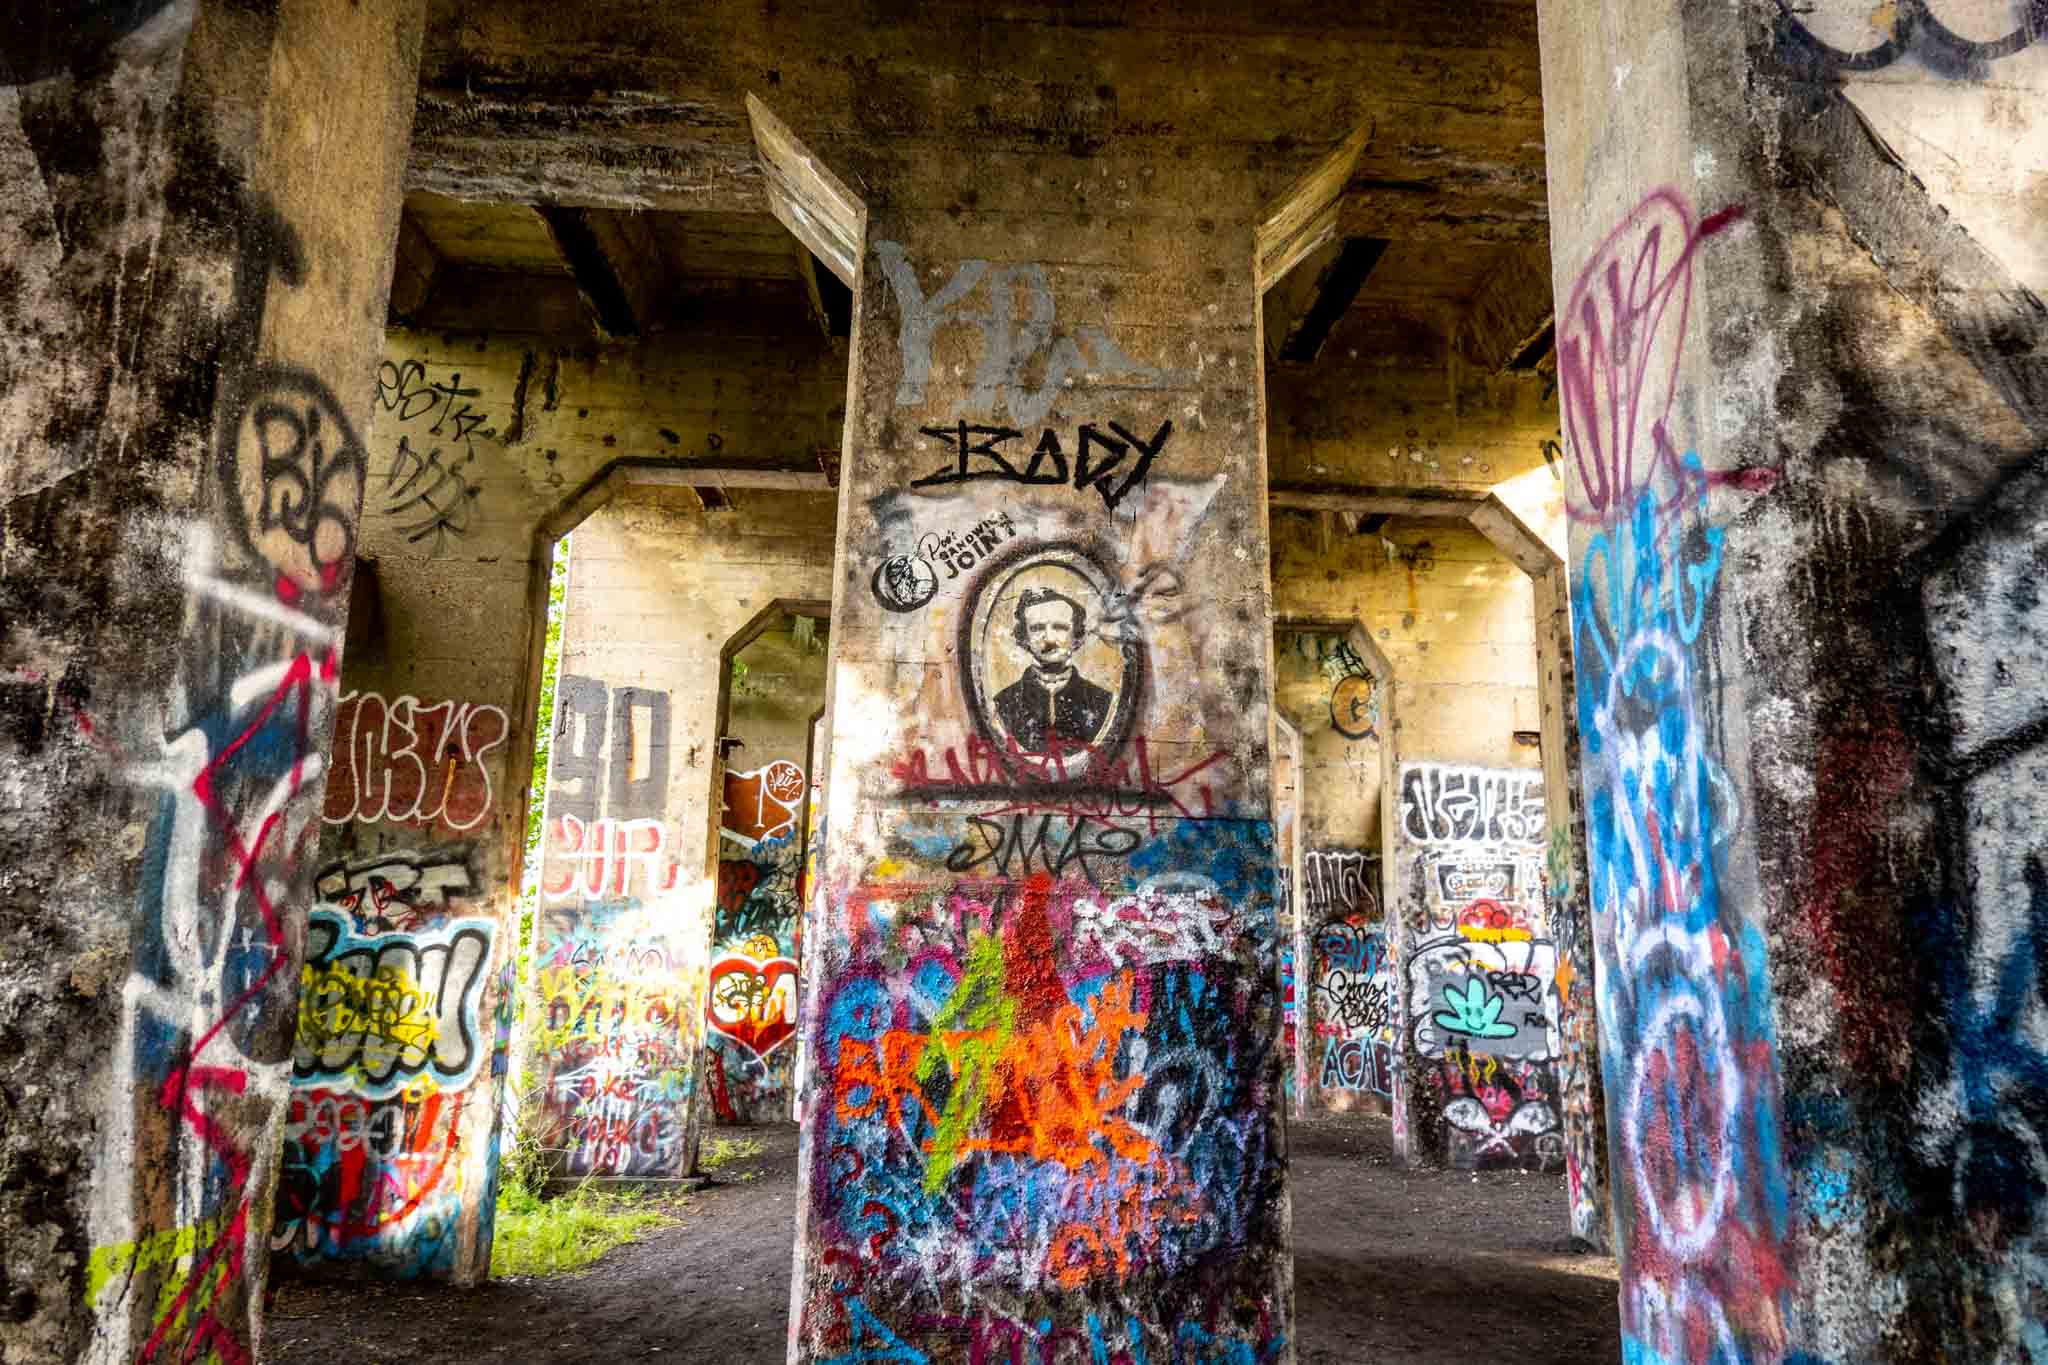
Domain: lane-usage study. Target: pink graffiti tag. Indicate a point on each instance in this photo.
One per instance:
(1620, 340)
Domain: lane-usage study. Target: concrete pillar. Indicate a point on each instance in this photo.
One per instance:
(203, 202)
(752, 999)
(1803, 366)
(1287, 844)
(622, 960)
(1474, 970)
(1044, 1109)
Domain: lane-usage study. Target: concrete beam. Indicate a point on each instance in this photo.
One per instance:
(726, 476)
(597, 278)
(418, 265)
(1335, 290)
(1510, 313)
(807, 197)
(1514, 537)
(1395, 502)
(1499, 204)
(1303, 220)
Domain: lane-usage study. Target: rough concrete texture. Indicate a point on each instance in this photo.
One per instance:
(484, 445)
(1451, 614)
(191, 302)
(632, 888)
(1044, 1014)
(1805, 404)
(752, 1009)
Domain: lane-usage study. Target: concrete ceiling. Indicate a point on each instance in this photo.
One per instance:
(601, 154)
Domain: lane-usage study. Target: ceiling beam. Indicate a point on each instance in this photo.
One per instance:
(807, 197)
(412, 280)
(1336, 289)
(611, 307)
(695, 474)
(1510, 313)
(630, 248)
(1303, 219)
(807, 274)
(1368, 500)
(1502, 204)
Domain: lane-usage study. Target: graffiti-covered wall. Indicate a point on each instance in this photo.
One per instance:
(624, 969)
(398, 1067)
(1349, 1043)
(751, 1010)
(1476, 969)
(391, 1149)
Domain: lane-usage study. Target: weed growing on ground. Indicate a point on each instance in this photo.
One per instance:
(723, 1152)
(542, 1235)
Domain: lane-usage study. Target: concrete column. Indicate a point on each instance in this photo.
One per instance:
(1474, 970)
(775, 687)
(1287, 838)
(623, 946)
(1803, 367)
(1044, 1110)
(203, 202)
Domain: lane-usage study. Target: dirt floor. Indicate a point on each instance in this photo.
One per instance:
(1433, 1269)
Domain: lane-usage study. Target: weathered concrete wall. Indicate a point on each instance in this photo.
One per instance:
(1453, 616)
(1349, 1046)
(1045, 1011)
(657, 587)
(1805, 403)
(1474, 964)
(751, 1011)
(1363, 417)
(1329, 691)
(403, 1053)
(190, 306)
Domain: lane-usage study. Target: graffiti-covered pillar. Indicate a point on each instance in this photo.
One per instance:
(194, 293)
(1803, 369)
(635, 993)
(1044, 1102)
(1475, 971)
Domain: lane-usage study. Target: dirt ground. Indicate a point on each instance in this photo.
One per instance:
(1430, 1269)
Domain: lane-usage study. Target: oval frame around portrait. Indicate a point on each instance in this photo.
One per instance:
(982, 630)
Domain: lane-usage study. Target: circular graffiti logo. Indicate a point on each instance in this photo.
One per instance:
(904, 582)
(1354, 707)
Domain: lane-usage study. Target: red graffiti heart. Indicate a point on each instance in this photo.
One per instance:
(753, 1001)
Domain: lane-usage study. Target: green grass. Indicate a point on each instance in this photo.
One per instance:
(541, 1236)
(725, 1151)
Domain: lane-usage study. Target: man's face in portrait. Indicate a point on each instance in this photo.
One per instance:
(1049, 634)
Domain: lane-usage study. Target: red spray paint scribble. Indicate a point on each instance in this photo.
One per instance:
(355, 1163)
(721, 1098)
(1621, 339)
(1864, 769)
(226, 1251)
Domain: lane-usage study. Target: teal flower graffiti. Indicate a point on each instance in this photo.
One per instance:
(1474, 1011)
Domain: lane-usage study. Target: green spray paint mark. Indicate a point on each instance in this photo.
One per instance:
(973, 1031)
(169, 1247)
